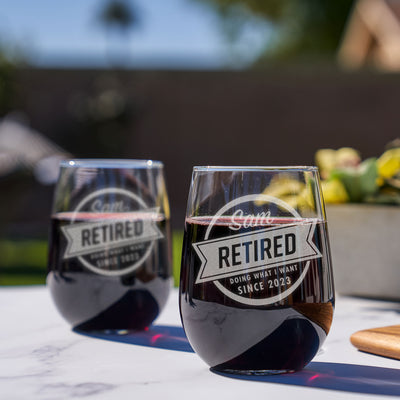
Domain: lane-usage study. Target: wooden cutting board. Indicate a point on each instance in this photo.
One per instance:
(383, 341)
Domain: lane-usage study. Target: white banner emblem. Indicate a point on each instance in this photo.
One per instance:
(88, 237)
(253, 251)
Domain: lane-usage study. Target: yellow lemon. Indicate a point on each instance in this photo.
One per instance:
(334, 191)
(389, 163)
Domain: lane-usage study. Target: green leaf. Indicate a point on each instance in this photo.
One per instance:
(359, 182)
(368, 177)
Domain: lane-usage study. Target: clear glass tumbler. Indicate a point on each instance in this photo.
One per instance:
(256, 286)
(110, 243)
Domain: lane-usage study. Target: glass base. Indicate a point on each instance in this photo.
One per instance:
(251, 372)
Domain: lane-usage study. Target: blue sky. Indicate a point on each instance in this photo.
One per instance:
(171, 33)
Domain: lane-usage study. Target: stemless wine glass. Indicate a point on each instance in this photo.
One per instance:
(256, 286)
(110, 250)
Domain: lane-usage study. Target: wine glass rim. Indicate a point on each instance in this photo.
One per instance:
(299, 168)
(110, 163)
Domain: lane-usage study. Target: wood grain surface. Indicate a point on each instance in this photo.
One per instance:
(383, 341)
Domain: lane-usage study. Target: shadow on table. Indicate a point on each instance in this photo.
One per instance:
(157, 336)
(337, 376)
(320, 375)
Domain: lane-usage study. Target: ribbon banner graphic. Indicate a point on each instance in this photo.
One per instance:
(88, 237)
(253, 251)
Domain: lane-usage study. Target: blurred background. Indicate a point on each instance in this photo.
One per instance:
(187, 82)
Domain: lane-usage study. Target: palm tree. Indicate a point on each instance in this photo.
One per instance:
(119, 18)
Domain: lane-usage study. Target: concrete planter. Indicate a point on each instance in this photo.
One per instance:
(365, 245)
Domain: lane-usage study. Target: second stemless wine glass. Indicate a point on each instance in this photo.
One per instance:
(256, 286)
(110, 250)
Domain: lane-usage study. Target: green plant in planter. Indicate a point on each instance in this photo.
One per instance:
(348, 179)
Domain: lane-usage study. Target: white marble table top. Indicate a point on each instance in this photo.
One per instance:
(42, 358)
